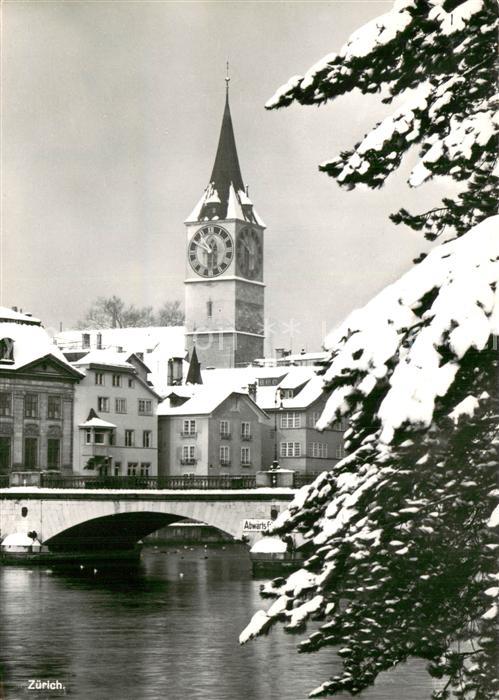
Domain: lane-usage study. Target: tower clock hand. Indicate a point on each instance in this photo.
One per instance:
(202, 244)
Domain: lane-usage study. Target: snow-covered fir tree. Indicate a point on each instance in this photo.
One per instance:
(401, 539)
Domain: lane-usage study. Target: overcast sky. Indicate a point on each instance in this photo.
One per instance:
(111, 117)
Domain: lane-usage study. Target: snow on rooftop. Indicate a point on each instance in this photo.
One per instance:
(204, 400)
(269, 545)
(107, 358)
(7, 314)
(97, 423)
(19, 539)
(31, 341)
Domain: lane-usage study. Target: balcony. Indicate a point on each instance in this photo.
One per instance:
(246, 438)
(225, 462)
(190, 460)
(188, 434)
(225, 436)
(246, 464)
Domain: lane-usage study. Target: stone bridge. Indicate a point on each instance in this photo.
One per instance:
(76, 520)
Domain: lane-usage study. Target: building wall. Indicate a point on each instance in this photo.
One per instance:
(171, 443)
(17, 427)
(207, 441)
(236, 414)
(87, 395)
(305, 436)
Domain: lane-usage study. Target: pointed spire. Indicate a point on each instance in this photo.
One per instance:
(225, 196)
(194, 371)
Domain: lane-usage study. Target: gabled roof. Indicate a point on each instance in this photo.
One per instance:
(203, 401)
(93, 421)
(106, 358)
(304, 380)
(31, 343)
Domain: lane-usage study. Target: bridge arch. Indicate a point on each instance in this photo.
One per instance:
(68, 521)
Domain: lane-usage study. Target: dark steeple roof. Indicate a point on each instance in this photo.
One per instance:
(226, 197)
(194, 372)
(226, 169)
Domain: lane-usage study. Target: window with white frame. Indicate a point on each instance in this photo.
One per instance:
(290, 449)
(147, 438)
(224, 455)
(189, 427)
(99, 437)
(132, 468)
(145, 468)
(88, 436)
(131, 383)
(245, 457)
(129, 438)
(116, 380)
(319, 449)
(145, 407)
(291, 420)
(245, 430)
(103, 404)
(188, 454)
(224, 429)
(99, 378)
(117, 468)
(340, 452)
(120, 405)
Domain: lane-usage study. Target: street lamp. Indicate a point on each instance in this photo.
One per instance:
(278, 405)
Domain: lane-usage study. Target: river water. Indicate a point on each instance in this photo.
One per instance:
(167, 630)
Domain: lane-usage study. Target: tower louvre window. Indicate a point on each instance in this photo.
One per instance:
(209, 309)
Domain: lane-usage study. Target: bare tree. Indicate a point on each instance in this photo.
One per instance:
(112, 312)
(170, 314)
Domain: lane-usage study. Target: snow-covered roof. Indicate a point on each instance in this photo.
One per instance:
(269, 545)
(144, 340)
(31, 341)
(96, 423)
(267, 397)
(156, 344)
(203, 401)
(19, 539)
(106, 358)
(7, 314)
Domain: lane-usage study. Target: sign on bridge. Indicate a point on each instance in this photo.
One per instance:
(256, 525)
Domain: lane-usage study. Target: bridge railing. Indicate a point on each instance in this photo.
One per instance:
(237, 481)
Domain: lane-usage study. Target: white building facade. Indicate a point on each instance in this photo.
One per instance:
(115, 428)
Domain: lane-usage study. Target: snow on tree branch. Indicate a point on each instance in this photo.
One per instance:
(401, 537)
(440, 57)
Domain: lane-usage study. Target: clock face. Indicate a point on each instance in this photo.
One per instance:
(249, 253)
(210, 251)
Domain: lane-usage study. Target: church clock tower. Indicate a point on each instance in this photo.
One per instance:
(224, 289)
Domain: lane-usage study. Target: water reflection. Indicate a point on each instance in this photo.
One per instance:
(166, 630)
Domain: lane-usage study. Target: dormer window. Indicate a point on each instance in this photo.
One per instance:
(6, 351)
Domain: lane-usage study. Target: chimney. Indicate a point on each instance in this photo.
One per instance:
(175, 371)
(252, 391)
